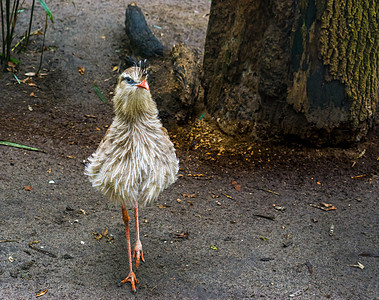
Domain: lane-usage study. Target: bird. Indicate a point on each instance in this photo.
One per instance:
(136, 160)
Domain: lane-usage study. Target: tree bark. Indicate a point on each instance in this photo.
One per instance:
(286, 68)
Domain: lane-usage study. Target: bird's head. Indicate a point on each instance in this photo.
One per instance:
(133, 80)
(132, 95)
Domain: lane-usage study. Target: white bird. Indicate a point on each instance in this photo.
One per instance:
(136, 160)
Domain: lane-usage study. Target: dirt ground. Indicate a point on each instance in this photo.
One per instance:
(241, 222)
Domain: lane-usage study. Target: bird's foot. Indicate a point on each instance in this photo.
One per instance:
(132, 279)
(138, 254)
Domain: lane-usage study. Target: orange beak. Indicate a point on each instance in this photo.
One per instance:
(144, 85)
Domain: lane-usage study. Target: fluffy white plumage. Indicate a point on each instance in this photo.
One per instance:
(136, 160)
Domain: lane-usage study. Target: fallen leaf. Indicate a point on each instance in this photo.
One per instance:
(28, 188)
(189, 195)
(324, 206)
(213, 247)
(41, 293)
(97, 236)
(115, 68)
(37, 32)
(298, 292)
(237, 187)
(358, 265)
(309, 266)
(90, 116)
(30, 74)
(84, 213)
(32, 95)
(279, 208)
(81, 70)
(183, 235)
(103, 37)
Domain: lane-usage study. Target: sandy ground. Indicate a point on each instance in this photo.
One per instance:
(205, 238)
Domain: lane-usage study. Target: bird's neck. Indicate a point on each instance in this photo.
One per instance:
(135, 108)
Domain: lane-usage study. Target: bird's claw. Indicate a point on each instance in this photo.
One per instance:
(138, 254)
(132, 279)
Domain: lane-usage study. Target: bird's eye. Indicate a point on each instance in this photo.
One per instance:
(129, 80)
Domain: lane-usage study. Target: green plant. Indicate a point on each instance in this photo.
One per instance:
(9, 13)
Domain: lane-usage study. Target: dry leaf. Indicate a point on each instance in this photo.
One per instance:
(33, 95)
(28, 188)
(81, 70)
(115, 68)
(237, 187)
(183, 235)
(189, 195)
(98, 236)
(41, 293)
(324, 206)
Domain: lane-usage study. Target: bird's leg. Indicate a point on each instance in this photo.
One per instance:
(138, 247)
(131, 277)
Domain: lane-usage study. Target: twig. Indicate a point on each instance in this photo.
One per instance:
(272, 218)
(42, 251)
(269, 191)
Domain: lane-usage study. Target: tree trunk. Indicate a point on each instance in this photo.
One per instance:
(286, 68)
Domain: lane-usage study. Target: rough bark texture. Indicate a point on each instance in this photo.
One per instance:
(293, 68)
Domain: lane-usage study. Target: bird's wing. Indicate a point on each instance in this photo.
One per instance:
(167, 138)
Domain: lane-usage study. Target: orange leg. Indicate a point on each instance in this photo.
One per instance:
(131, 277)
(138, 247)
